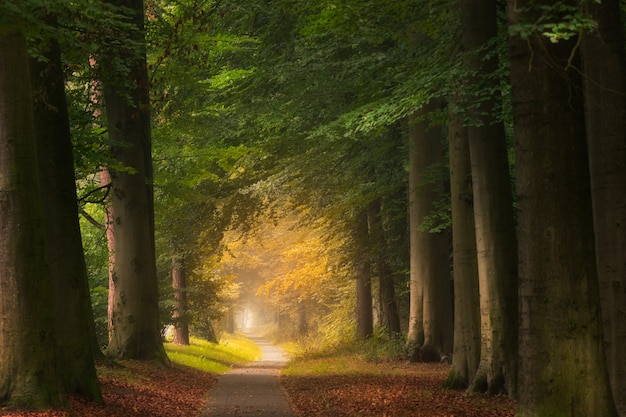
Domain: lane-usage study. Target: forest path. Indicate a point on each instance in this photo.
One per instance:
(252, 390)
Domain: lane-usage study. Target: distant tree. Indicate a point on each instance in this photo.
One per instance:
(179, 283)
(562, 365)
(29, 369)
(389, 316)
(301, 318)
(362, 273)
(604, 69)
(430, 317)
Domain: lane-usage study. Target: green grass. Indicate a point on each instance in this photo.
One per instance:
(381, 354)
(339, 365)
(214, 358)
(355, 364)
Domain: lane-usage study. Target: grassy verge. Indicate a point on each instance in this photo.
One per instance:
(379, 355)
(372, 381)
(214, 358)
(357, 364)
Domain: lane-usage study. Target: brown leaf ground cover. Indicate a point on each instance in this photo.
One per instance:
(145, 390)
(140, 389)
(413, 390)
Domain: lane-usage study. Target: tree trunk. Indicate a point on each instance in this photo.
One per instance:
(430, 316)
(388, 315)
(362, 271)
(179, 283)
(105, 181)
(29, 369)
(604, 66)
(466, 354)
(73, 314)
(230, 320)
(303, 326)
(135, 332)
(493, 208)
(562, 366)
(134, 321)
(417, 239)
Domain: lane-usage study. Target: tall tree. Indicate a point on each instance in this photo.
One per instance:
(109, 218)
(29, 369)
(604, 67)
(73, 314)
(466, 353)
(135, 327)
(362, 272)
(389, 317)
(430, 316)
(493, 204)
(562, 366)
(179, 283)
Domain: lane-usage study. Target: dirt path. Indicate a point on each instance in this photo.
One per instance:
(252, 391)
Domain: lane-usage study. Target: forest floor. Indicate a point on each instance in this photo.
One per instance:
(398, 389)
(145, 390)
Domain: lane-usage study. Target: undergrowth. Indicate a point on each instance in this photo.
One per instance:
(317, 355)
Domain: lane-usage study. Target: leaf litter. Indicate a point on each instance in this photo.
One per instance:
(147, 390)
(416, 393)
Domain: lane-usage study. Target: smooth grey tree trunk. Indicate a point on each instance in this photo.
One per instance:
(180, 315)
(362, 271)
(562, 365)
(134, 325)
(389, 317)
(74, 325)
(496, 240)
(430, 316)
(466, 354)
(29, 368)
(604, 67)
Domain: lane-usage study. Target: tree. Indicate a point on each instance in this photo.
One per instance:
(562, 366)
(604, 66)
(466, 352)
(29, 373)
(389, 316)
(179, 283)
(135, 325)
(493, 204)
(200, 172)
(362, 273)
(313, 69)
(74, 326)
(430, 317)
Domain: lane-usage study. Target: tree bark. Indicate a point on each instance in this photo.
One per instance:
(230, 320)
(389, 317)
(466, 353)
(430, 317)
(562, 366)
(301, 321)
(179, 283)
(604, 66)
(362, 271)
(135, 324)
(105, 181)
(73, 314)
(417, 239)
(493, 206)
(29, 369)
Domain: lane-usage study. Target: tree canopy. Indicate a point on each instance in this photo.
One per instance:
(293, 158)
